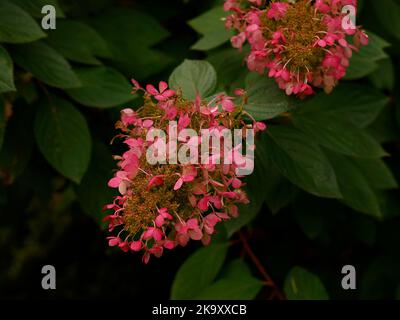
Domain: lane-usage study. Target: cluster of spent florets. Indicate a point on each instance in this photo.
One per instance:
(302, 43)
(161, 206)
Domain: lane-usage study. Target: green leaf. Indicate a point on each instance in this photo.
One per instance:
(93, 192)
(63, 137)
(34, 7)
(303, 285)
(16, 26)
(6, 72)
(228, 63)
(364, 62)
(194, 77)
(358, 104)
(102, 87)
(388, 13)
(383, 77)
(301, 160)
(46, 64)
(265, 99)
(131, 35)
(212, 27)
(198, 271)
(354, 186)
(78, 42)
(237, 283)
(377, 173)
(339, 135)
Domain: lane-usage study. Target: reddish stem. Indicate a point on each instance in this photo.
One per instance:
(268, 280)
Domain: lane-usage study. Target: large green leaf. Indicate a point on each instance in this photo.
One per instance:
(63, 137)
(265, 99)
(300, 160)
(6, 72)
(303, 285)
(237, 284)
(34, 7)
(198, 271)
(17, 26)
(229, 64)
(194, 77)
(364, 62)
(130, 36)
(78, 42)
(46, 64)
(333, 132)
(357, 104)
(384, 76)
(388, 13)
(212, 27)
(102, 87)
(377, 173)
(93, 192)
(354, 186)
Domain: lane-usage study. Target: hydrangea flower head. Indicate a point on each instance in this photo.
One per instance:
(163, 205)
(302, 44)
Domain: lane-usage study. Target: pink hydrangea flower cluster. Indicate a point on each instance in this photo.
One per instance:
(302, 44)
(162, 206)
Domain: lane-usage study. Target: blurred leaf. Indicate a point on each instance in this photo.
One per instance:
(6, 72)
(102, 87)
(211, 26)
(277, 191)
(354, 186)
(130, 36)
(16, 26)
(388, 13)
(78, 42)
(384, 76)
(28, 91)
(93, 191)
(301, 161)
(34, 7)
(229, 64)
(63, 137)
(46, 64)
(198, 271)
(194, 77)
(2, 121)
(237, 284)
(335, 133)
(384, 128)
(377, 173)
(303, 285)
(309, 213)
(265, 99)
(364, 62)
(357, 104)
(18, 143)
